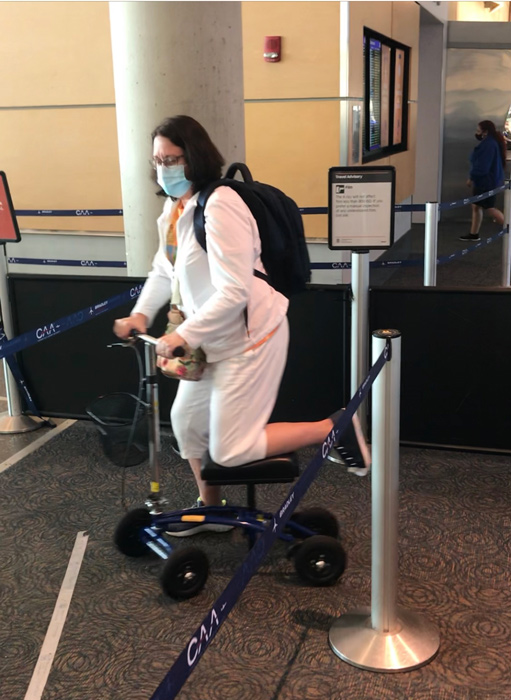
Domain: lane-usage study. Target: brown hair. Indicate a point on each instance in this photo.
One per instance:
(204, 161)
(491, 129)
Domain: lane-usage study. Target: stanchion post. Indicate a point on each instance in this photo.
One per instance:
(13, 421)
(385, 637)
(360, 325)
(430, 243)
(506, 247)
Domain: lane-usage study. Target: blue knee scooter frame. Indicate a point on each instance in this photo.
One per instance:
(312, 534)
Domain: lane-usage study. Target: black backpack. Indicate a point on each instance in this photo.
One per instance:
(284, 252)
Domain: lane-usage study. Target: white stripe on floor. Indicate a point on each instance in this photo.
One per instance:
(35, 445)
(47, 654)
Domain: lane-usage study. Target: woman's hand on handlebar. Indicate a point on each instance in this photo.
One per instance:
(124, 326)
(168, 343)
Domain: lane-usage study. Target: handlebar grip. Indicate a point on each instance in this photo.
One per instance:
(179, 351)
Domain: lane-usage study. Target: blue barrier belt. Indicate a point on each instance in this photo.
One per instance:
(411, 263)
(67, 263)
(313, 266)
(200, 640)
(460, 253)
(18, 377)
(303, 210)
(469, 200)
(409, 207)
(376, 263)
(68, 212)
(25, 340)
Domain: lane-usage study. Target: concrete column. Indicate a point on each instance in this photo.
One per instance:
(171, 58)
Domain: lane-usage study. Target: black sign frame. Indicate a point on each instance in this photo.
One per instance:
(358, 174)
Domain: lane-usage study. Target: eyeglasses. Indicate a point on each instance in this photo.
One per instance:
(168, 161)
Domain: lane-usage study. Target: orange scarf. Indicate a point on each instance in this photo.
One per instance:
(172, 232)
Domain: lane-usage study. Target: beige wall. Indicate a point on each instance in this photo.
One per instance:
(292, 108)
(477, 12)
(58, 136)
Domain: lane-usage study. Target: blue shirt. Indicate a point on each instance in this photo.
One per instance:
(486, 170)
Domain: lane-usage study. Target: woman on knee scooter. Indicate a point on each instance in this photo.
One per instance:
(237, 319)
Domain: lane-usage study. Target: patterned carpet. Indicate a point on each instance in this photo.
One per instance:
(121, 635)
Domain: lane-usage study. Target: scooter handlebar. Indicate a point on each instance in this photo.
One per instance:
(179, 351)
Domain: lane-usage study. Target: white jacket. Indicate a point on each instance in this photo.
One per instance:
(215, 287)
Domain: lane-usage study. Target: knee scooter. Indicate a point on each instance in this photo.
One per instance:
(312, 534)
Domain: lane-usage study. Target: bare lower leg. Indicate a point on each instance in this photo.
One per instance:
(209, 495)
(477, 217)
(497, 215)
(286, 437)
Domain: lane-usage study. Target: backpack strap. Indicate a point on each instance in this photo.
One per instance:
(256, 208)
(240, 168)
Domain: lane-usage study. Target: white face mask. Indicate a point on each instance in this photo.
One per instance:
(172, 180)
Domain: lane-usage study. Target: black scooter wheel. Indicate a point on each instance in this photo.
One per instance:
(185, 573)
(319, 520)
(320, 560)
(127, 533)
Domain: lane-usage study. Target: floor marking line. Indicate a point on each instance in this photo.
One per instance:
(35, 445)
(47, 654)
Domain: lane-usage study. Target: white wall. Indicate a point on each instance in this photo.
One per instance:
(430, 115)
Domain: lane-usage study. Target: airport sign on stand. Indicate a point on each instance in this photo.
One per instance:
(361, 208)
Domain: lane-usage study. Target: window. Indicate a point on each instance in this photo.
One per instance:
(386, 66)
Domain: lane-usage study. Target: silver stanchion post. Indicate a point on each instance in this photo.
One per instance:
(385, 637)
(359, 333)
(506, 247)
(430, 243)
(13, 421)
(359, 324)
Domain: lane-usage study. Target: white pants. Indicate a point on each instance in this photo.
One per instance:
(228, 409)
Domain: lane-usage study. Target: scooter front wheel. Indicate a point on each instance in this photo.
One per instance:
(127, 533)
(185, 573)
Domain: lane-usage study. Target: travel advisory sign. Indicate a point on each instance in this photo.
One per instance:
(9, 231)
(361, 208)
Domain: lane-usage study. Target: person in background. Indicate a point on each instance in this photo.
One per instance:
(487, 165)
(238, 320)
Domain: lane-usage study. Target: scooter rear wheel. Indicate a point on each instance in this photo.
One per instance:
(320, 560)
(317, 519)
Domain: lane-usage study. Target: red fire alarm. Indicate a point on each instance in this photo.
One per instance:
(272, 49)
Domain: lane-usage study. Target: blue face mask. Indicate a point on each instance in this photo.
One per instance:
(172, 180)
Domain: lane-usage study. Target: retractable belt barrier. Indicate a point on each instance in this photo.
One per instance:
(18, 378)
(313, 266)
(203, 635)
(48, 330)
(303, 210)
(67, 263)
